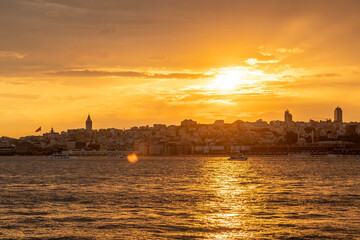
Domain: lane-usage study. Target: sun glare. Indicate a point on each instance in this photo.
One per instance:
(132, 158)
(228, 80)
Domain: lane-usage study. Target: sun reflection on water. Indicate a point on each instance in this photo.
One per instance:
(228, 207)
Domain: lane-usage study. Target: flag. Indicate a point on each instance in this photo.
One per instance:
(38, 130)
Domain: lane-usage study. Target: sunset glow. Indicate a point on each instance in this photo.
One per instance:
(228, 80)
(237, 77)
(184, 65)
(179, 119)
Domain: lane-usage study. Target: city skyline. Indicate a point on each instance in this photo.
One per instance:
(192, 137)
(141, 62)
(288, 118)
(80, 124)
(179, 119)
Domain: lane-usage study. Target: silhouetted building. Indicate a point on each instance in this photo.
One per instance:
(288, 117)
(188, 123)
(219, 123)
(338, 118)
(88, 124)
(351, 129)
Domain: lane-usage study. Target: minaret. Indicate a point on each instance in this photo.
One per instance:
(88, 124)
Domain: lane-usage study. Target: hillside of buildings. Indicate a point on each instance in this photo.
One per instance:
(192, 138)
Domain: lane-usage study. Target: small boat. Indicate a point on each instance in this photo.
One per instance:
(115, 156)
(300, 155)
(238, 158)
(332, 155)
(61, 156)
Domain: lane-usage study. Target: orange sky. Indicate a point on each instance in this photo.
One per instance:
(160, 61)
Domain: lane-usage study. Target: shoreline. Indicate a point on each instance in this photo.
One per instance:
(205, 156)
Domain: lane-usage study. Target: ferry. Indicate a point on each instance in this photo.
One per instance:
(61, 156)
(238, 158)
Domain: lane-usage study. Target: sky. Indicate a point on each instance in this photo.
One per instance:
(141, 62)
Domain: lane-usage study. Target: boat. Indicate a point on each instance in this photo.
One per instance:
(237, 158)
(61, 156)
(300, 155)
(332, 155)
(115, 156)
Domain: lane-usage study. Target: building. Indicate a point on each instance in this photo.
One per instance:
(351, 129)
(88, 124)
(219, 123)
(188, 123)
(338, 118)
(288, 117)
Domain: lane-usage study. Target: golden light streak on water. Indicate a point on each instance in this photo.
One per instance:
(132, 158)
(228, 207)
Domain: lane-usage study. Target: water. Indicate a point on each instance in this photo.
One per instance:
(179, 198)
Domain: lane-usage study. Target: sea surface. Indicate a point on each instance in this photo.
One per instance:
(179, 198)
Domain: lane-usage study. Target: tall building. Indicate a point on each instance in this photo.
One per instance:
(288, 117)
(88, 124)
(338, 118)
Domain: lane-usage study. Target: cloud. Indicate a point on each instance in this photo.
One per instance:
(19, 96)
(266, 54)
(95, 73)
(254, 61)
(324, 75)
(181, 75)
(216, 115)
(290, 50)
(91, 73)
(11, 54)
(158, 57)
(191, 96)
(52, 13)
(263, 53)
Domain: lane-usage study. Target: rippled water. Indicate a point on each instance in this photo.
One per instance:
(179, 198)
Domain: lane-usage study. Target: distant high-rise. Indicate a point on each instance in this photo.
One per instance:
(88, 124)
(288, 117)
(338, 115)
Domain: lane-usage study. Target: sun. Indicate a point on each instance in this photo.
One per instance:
(228, 79)
(234, 79)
